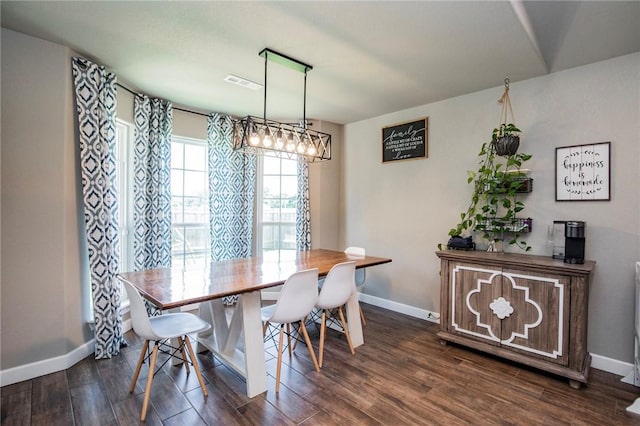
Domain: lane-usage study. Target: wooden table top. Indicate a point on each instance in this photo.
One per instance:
(169, 288)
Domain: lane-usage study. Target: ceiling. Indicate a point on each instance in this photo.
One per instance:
(368, 58)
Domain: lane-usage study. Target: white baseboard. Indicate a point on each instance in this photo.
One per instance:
(611, 365)
(401, 308)
(52, 365)
(46, 366)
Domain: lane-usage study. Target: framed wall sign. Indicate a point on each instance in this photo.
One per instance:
(405, 141)
(583, 172)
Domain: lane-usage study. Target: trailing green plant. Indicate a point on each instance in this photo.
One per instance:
(504, 130)
(494, 201)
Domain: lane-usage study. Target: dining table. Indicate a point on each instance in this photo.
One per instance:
(237, 339)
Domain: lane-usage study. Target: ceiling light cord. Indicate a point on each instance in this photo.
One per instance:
(304, 102)
(264, 112)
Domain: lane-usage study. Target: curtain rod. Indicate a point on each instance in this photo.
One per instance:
(178, 109)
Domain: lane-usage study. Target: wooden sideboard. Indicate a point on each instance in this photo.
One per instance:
(525, 308)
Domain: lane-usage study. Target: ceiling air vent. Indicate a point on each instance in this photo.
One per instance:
(242, 82)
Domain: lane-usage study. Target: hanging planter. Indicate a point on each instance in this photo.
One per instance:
(505, 139)
(497, 184)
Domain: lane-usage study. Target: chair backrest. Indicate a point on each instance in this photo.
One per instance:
(138, 311)
(339, 285)
(361, 274)
(297, 298)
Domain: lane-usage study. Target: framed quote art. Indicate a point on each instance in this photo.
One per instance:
(405, 141)
(583, 172)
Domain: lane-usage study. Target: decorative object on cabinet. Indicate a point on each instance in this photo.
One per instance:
(525, 308)
(405, 141)
(495, 199)
(583, 172)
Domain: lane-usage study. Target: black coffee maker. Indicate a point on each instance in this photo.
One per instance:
(574, 241)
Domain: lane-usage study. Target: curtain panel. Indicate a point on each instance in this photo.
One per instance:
(95, 96)
(151, 183)
(303, 209)
(232, 181)
(232, 177)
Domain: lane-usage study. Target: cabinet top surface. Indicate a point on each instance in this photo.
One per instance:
(517, 260)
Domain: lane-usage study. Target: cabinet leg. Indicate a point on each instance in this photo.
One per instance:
(575, 384)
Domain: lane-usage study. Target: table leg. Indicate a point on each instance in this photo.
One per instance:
(256, 371)
(246, 356)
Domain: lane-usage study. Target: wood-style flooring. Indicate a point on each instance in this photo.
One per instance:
(402, 375)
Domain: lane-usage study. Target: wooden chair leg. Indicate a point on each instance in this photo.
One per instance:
(362, 316)
(195, 365)
(279, 367)
(265, 326)
(346, 330)
(184, 355)
(143, 353)
(295, 341)
(322, 336)
(147, 391)
(308, 341)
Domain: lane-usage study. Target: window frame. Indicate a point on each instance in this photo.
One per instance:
(206, 252)
(280, 253)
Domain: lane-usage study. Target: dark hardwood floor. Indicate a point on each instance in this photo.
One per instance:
(401, 376)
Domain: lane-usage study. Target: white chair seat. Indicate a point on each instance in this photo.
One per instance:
(267, 312)
(168, 326)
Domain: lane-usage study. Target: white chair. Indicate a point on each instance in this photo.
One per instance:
(158, 330)
(361, 274)
(296, 300)
(339, 285)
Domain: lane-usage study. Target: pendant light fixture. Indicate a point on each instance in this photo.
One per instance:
(284, 140)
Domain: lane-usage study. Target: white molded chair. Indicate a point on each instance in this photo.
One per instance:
(339, 285)
(296, 300)
(158, 330)
(361, 274)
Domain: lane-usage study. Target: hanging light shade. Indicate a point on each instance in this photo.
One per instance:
(285, 140)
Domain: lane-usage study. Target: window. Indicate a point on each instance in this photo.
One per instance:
(278, 191)
(123, 143)
(189, 203)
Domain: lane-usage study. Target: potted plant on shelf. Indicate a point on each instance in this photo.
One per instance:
(495, 201)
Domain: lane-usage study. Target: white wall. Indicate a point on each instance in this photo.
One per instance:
(43, 279)
(403, 209)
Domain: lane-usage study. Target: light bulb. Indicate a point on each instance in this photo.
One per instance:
(266, 141)
(301, 148)
(279, 142)
(311, 150)
(254, 139)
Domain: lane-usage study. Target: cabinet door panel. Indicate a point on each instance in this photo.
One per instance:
(473, 288)
(539, 322)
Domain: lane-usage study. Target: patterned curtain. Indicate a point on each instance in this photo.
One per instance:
(151, 183)
(95, 91)
(303, 213)
(232, 180)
